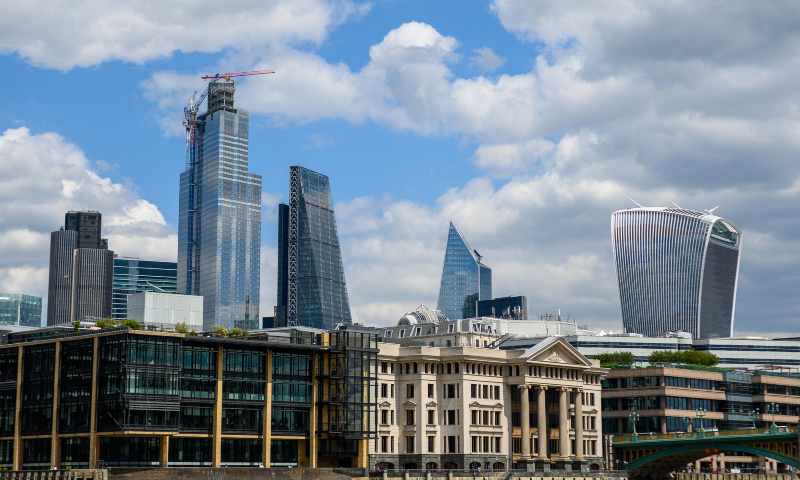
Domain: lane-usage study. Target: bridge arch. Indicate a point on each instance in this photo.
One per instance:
(663, 462)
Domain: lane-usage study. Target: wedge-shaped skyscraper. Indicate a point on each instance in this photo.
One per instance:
(219, 234)
(676, 270)
(311, 288)
(465, 280)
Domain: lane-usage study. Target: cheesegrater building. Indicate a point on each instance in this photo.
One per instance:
(125, 398)
(676, 269)
(219, 234)
(311, 287)
(465, 280)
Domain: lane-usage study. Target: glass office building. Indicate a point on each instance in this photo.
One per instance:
(465, 280)
(311, 287)
(22, 310)
(676, 270)
(132, 275)
(226, 219)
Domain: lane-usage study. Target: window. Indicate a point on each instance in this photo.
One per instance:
(387, 334)
(391, 441)
(497, 418)
(410, 390)
(384, 368)
(675, 382)
(497, 444)
(640, 382)
(701, 384)
(474, 417)
(409, 417)
(402, 333)
(392, 415)
(497, 392)
(475, 444)
(775, 389)
(417, 331)
(452, 445)
(431, 417)
(640, 403)
(384, 444)
(410, 444)
(392, 389)
(384, 417)
(451, 417)
(450, 390)
(676, 403)
(430, 390)
(609, 383)
(485, 418)
(451, 328)
(609, 404)
(384, 390)
(431, 444)
(473, 390)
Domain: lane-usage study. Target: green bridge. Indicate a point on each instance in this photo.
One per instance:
(656, 456)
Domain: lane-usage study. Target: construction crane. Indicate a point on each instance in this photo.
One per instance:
(190, 122)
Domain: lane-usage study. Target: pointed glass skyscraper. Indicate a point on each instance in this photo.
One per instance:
(465, 280)
(219, 238)
(311, 288)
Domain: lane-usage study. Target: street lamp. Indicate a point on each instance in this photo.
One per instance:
(688, 421)
(773, 407)
(700, 412)
(634, 417)
(753, 415)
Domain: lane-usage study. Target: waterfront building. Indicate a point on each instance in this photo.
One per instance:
(19, 309)
(219, 234)
(132, 275)
(465, 407)
(81, 270)
(668, 400)
(166, 310)
(676, 269)
(465, 280)
(295, 397)
(311, 286)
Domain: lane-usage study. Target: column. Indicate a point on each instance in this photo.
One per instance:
(266, 448)
(163, 452)
(313, 415)
(526, 421)
(216, 444)
(578, 424)
(93, 451)
(17, 437)
(563, 422)
(54, 460)
(542, 421)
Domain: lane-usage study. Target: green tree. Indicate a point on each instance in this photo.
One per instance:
(620, 358)
(219, 330)
(182, 328)
(193, 333)
(238, 332)
(132, 324)
(107, 323)
(687, 357)
(76, 325)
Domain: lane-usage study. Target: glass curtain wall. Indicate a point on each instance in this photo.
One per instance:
(465, 280)
(75, 387)
(8, 390)
(198, 387)
(243, 390)
(38, 374)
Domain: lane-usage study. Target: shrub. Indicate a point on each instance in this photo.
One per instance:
(237, 332)
(182, 328)
(625, 358)
(219, 330)
(688, 357)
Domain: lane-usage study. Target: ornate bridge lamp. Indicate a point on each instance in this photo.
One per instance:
(634, 417)
(688, 421)
(773, 408)
(700, 413)
(753, 415)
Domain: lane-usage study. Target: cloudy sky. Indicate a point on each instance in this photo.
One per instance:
(524, 122)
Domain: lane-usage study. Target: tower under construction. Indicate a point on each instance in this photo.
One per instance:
(219, 238)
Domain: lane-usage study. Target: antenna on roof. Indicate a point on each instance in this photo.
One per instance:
(711, 212)
(676, 205)
(634, 201)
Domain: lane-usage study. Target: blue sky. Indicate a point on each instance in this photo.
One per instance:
(526, 123)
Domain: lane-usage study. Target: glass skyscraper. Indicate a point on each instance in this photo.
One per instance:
(311, 288)
(22, 310)
(224, 235)
(465, 280)
(132, 275)
(676, 270)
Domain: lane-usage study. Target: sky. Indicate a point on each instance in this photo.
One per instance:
(526, 123)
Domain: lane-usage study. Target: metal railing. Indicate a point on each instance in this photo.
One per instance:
(703, 434)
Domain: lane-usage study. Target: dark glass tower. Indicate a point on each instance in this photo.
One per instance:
(81, 270)
(676, 270)
(465, 280)
(225, 229)
(132, 275)
(311, 288)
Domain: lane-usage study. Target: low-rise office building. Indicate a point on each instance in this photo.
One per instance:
(667, 400)
(127, 398)
(465, 407)
(165, 310)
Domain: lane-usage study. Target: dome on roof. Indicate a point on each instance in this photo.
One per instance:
(422, 314)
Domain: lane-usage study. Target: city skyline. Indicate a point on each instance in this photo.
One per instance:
(525, 124)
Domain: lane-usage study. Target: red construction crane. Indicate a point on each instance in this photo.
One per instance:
(190, 122)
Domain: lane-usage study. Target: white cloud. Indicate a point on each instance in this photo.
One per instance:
(46, 176)
(60, 34)
(487, 60)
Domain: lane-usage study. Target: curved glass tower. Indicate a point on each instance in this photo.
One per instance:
(676, 270)
(465, 280)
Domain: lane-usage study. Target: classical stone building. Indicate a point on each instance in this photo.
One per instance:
(464, 407)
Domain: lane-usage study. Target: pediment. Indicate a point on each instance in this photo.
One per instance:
(410, 404)
(556, 351)
(385, 404)
(477, 404)
(431, 404)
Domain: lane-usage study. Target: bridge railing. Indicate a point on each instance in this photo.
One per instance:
(702, 434)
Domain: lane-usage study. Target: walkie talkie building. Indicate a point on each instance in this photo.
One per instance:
(677, 269)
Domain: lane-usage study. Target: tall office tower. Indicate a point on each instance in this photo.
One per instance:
(311, 287)
(22, 310)
(676, 270)
(219, 235)
(81, 270)
(465, 280)
(132, 275)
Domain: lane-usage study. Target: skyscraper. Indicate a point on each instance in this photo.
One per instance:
(676, 270)
(81, 270)
(465, 280)
(132, 275)
(219, 235)
(22, 310)
(311, 288)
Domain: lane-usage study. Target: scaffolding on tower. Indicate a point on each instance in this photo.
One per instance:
(190, 113)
